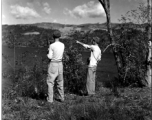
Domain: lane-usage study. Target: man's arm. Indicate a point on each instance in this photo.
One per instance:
(84, 45)
(99, 57)
(50, 53)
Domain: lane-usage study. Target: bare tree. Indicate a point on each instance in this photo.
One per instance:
(106, 6)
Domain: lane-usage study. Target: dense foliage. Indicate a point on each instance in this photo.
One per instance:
(74, 71)
(26, 36)
(132, 43)
(132, 47)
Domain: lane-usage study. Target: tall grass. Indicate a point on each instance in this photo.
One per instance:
(134, 104)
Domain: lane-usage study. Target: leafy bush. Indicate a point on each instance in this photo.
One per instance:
(30, 81)
(132, 44)
(15, 35)
(74, 71)
(133, 47)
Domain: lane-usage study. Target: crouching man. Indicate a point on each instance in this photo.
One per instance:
(92, 65)
(55, 68)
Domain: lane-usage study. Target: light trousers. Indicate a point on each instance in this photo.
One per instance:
(55, 74)
(91, 75)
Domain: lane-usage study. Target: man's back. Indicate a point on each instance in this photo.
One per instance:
(56, 50)
(95, 55)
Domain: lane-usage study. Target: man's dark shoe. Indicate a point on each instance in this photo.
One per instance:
(59, 100)
(83, 93)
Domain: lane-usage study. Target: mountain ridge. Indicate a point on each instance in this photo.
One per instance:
(49, 25)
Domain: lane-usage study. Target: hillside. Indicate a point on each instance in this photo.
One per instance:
(83, 27)
(38, 34)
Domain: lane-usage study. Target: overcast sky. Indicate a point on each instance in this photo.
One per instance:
(63, 11)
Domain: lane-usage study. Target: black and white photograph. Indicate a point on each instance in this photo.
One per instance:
(76, 59)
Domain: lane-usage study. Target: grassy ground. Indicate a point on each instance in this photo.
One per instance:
(132, 104)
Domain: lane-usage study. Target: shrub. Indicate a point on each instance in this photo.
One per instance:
(132, 49)
(31, 82)
(131, 37)
(74, 71)
(30, 76)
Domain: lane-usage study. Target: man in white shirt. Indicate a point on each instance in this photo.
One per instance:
(55, 68)
(94, 59)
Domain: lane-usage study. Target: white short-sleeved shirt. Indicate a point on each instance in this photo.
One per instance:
(56, 51)
(95, 54)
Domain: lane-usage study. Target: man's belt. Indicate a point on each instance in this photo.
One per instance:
(57, 61)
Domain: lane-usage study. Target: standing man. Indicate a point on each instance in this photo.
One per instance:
(94, 59)
(55, 68)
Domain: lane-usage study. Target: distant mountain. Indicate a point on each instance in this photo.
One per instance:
(49, 25)
(83, 27)
(38, 34)
(66, 28)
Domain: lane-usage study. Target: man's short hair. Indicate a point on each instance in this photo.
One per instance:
(96, 39)
(56, 34)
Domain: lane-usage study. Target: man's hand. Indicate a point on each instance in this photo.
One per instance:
(77, 42)
(84, 45)
(150, 44)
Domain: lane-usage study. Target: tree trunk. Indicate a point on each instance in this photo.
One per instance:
(106, 6)
(149, 71)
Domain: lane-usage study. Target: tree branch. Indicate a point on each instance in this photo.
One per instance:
(103, 3)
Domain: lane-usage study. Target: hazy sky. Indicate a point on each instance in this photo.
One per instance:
(63, 11)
